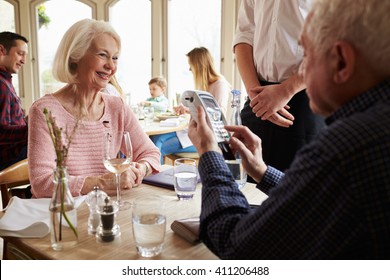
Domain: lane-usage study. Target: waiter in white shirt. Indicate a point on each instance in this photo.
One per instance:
(268, 56)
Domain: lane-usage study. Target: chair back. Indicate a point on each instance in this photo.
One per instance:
(13, 176)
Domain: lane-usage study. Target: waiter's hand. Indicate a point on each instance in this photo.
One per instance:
(270, 103)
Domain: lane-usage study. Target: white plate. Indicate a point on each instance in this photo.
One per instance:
(163, 117)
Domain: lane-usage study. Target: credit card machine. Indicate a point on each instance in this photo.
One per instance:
(215, 118)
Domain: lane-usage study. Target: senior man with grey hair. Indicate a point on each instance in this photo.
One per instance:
(333, 202)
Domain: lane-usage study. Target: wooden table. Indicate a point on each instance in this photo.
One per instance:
(123, 248)
(154, 128)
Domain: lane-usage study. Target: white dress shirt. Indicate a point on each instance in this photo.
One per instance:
(272, 28)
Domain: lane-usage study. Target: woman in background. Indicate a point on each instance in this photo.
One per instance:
(113, 88)
(206, 78)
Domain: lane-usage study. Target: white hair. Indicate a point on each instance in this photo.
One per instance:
(74, 45)
(363, 23)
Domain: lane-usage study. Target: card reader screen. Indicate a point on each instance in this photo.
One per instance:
(210, 103)
(212, 109)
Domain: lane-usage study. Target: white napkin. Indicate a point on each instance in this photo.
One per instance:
(184, 140)
(28, 218)
(170, 122)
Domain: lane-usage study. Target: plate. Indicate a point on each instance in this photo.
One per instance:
(163, 117)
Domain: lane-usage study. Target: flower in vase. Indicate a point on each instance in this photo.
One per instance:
(61, 145)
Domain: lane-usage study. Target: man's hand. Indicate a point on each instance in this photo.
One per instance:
(270, 103)
(201, 134)
(248, 145)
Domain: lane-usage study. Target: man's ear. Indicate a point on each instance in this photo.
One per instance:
(3, 51)
(345, 60)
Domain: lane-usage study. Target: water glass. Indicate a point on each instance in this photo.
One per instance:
(149, 115)
(149, 225)
(185, 178)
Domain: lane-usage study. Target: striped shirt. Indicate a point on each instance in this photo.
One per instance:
(332, 203)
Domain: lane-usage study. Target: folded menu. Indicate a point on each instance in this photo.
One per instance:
(187, 228)
(163, 179)
(28, 218)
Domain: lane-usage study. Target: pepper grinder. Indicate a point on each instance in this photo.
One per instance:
(93, 199)
(107, 229)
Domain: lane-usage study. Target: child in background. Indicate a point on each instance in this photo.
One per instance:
(206, 78)
(158, 100)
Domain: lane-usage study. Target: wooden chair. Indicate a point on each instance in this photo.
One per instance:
(172, 157)
(13, 176)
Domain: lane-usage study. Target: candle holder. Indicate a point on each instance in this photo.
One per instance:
(107, 230)
(93, 199)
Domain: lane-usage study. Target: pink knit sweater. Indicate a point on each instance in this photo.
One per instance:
(85, 152)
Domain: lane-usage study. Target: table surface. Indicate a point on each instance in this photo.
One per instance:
(154, 128)
(123, 248)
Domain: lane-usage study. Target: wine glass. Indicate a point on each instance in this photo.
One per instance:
(117, 158)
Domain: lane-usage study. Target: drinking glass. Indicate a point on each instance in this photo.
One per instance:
(185, 178)
(149, 115)
(178, 98)
(149, 225)
(117, 158)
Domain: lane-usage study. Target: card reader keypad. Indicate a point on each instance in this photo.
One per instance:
(219, 131)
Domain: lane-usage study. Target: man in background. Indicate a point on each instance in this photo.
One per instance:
(333, 202)
(13, 125)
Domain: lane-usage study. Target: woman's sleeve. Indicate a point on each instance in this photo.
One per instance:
(41, 154)
(221, 94)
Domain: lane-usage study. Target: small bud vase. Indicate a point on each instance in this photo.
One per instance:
(63, 214)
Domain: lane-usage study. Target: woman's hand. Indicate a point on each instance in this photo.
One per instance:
(136, 173)
(106, 182)
(181, 110)
(132, 177)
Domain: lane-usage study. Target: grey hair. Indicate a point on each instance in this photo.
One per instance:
(75, 43)
(363, 23)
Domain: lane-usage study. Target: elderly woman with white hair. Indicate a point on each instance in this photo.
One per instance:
(85, 61)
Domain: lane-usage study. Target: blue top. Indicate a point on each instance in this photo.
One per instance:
(159, 103)
(333, 203)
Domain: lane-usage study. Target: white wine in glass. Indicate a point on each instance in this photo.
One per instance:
(117, 158)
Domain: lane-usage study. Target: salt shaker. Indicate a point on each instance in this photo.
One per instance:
(93, 199)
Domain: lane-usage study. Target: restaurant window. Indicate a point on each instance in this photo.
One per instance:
(191, 24)
(7, 23)
(132, 21)
(53, 19)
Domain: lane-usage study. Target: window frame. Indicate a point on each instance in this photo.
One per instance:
(34, 34)
(25, 23)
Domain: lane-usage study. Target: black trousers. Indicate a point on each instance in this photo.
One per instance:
(280, 144)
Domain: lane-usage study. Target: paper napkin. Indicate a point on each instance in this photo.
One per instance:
(170, 122)
(28, 218)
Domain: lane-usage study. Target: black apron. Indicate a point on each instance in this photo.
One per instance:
(280, 144)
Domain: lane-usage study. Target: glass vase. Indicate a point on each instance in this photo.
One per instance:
(63, 214)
